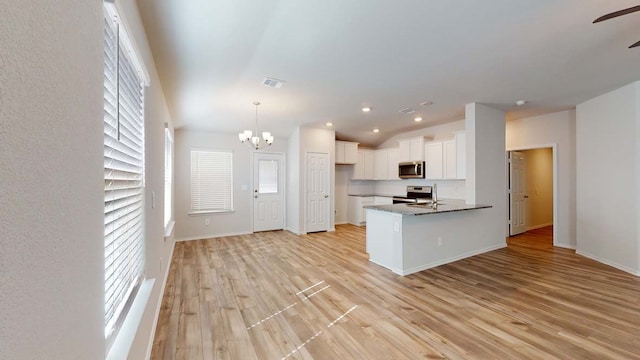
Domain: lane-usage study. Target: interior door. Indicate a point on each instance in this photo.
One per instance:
(517, 192)
(317, 192)
(268, 191)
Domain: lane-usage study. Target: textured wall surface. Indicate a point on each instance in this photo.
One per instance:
(51, 180)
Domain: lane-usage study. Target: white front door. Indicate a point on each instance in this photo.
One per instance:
(517, 192)
(317, 192)
(268, 191)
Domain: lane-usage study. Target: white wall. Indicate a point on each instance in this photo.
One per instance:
(556, 129)
(539, 171)
(52, 224)
(51, 180)
(486, 169)
(608, 179)
(436, 132)
(303, 141)
(293, 182)
(240, 221)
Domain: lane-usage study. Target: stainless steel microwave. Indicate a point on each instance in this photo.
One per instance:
(411, 170)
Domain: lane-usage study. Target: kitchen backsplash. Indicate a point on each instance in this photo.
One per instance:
(447, 189)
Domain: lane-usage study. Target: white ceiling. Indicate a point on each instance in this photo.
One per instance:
(339, 55)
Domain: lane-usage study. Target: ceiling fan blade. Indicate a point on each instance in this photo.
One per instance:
(634, 45)
(617, 13)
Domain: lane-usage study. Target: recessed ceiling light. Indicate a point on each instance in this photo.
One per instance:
(376, 130)
(426, 103)
(329, 124)
(366, 109)
(521, 102)
(417, 119)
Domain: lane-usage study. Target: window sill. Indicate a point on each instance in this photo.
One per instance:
(122, 344)
(168, 230)
(208, 212)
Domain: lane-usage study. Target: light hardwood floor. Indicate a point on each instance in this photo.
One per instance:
(244, 297)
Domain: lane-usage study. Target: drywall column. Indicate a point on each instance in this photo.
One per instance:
(485, 163)
(607, 168)
(51, 180)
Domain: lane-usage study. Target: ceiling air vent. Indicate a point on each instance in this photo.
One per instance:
(408, 111)
(273, 83)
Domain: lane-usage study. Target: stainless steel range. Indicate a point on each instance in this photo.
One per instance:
(416, 195)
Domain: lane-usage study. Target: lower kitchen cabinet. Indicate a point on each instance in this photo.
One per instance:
(356, 213)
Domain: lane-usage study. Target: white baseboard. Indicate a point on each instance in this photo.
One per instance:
(451, 259)
(610, 263)
(213, 236)
(565, 246)
(296, 232)
(159, 307)
(341, 222)
(538, 226)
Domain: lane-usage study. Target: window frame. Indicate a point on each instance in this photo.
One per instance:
(124, 47)
(200, 211)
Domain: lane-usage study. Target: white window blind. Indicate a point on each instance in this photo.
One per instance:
(123, 177)
(211, 181)
(168, 175)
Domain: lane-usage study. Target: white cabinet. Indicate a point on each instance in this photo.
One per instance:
(449, 159)
(393, 158)
(346, 152)
(461, 146)
(356, 213)
(380, 166)
(433, 160)
(445, 159)
(364, 169)
(411, 149)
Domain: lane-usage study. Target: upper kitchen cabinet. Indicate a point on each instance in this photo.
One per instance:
(445, 159)
(393, 158)
(411, 149)
(381, 166)
(346, 152)
(364, 169)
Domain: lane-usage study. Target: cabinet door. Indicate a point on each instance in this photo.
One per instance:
(392, 164)
(449, 156)
(358, 169)
(380, 165)
(417, 149)
(369, 161)
(405, 150)
(366, 201)
(339, 152)
(461, 164)
(433, 160)
(350, 152)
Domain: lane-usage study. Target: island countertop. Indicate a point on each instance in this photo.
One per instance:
(426, 209)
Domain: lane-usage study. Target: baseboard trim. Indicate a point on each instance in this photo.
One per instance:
(565, 246)
(452, 259)
(341, 223)
(609, 263)
(538, 226)
(159, 307)
(213, 236)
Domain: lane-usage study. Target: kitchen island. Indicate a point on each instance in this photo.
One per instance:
(410, 238)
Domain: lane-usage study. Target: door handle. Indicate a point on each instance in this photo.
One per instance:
(326, 196)
(526, 196)
(256, 196)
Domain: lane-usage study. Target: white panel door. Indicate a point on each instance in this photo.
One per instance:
(268, 191)
(317, 192)
(517, 192)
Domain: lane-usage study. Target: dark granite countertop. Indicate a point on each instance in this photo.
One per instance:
(443, 207)
(371, 195)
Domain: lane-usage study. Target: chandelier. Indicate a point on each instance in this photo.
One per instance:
(255, 141)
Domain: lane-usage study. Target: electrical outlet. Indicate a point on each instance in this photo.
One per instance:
(439, 240)
(207, 221)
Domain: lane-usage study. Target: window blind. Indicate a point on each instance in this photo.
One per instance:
(123, 177)
(211, 181)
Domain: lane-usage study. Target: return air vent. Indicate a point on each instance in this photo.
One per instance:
(273, 83)
(408, 111)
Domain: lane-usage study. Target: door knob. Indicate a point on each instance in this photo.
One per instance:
(326, 196)
(256, 196)
(526, 196)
